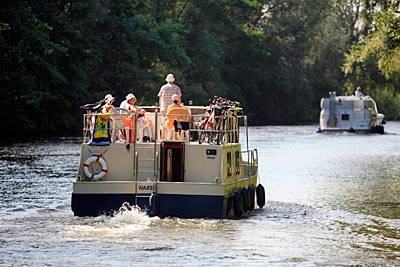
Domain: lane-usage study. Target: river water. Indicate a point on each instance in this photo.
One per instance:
(333, 200)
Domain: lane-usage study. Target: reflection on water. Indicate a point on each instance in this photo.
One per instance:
(344, 171)
(333, 200)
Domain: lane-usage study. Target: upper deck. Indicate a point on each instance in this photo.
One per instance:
(190, 124)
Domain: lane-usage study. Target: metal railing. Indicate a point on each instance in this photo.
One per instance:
(251, 164)
(130, 127)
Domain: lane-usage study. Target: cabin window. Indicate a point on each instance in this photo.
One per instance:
(345, 117)
(237, 162)
(229, 163)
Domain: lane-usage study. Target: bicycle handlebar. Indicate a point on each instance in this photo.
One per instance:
(94, 106)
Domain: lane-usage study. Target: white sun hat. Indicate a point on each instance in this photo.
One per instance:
(109, 98)
(130, 96)
(170, 78)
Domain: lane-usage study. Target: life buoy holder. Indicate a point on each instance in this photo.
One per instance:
(87, 168)
(336, 122)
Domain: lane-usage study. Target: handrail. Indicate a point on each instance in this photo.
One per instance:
(156, 165)
(228, 126)
(136, 175)
(252, 161)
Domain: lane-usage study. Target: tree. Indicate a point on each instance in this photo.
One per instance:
(374, 62)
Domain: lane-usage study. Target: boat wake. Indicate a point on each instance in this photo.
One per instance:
(125, 223)
(129, 215)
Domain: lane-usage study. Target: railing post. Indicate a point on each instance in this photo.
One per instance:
(137, 176)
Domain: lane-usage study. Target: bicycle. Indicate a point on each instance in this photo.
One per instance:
(217, 127)
(206, 128)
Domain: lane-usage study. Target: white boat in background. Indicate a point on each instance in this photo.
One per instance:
(197, 170)
(350, 113)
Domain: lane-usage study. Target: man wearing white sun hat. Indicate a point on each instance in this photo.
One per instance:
(167, 91)
(130, 99)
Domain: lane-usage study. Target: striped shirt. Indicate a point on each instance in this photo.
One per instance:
(166, 93)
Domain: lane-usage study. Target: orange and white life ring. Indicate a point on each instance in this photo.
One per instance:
(336, 122)
(95, 175)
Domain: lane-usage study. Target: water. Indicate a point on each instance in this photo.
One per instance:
(333, 200)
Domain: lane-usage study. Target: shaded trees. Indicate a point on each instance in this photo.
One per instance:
(374, 61)
(278, 57)
(302, 65)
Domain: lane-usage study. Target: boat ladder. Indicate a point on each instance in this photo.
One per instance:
(144, 155)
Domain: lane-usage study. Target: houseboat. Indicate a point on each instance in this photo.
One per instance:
(197, 169)
(350, 113)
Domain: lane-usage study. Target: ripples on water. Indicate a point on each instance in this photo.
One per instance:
(333, 201)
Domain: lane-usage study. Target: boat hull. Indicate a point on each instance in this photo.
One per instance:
(182, 206)
(187, 206)
(104, 204)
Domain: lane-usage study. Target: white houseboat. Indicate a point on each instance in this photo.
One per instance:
(350, 113)
(196, 170)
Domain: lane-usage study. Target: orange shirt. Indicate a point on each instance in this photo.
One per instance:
(174, 111)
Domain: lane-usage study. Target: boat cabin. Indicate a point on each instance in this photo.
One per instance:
(350, 113)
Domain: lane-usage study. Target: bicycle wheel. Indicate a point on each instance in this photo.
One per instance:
(225, 138)
(211, 137)
(202, 136)
(202, 133)
(217, 134)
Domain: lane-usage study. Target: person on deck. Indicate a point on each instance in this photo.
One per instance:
(128, 98)
(358, 92)
(129, 104)
(178, 117)
(108, 106)
(145, 125)
(167, 91)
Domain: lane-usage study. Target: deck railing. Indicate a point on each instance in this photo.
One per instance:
(251, 164)
(130, 127)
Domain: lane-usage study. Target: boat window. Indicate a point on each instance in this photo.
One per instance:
(229, 163)
(237, 162)
(345, 117)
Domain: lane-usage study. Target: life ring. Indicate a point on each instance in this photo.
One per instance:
(95, 176)
(237, 205)
(260, 193)
(336, 122)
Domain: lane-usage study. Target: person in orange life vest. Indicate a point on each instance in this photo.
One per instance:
(145, 125)
(130, 99)
(129, 104)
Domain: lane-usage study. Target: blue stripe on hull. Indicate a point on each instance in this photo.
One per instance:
(189, 206)
(99, 204)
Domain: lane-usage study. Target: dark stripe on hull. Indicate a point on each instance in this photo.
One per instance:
(189, 206)
(182, 206)
(100, 204)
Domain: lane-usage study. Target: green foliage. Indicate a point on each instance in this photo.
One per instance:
(278, 57)
(374, 63)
